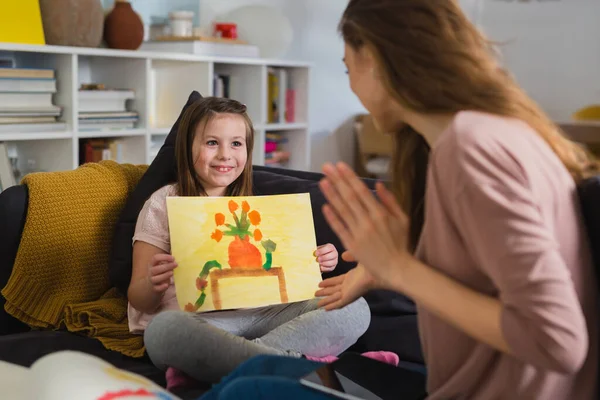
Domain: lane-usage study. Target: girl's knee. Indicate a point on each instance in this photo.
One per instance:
(160, 333)
(360, 313)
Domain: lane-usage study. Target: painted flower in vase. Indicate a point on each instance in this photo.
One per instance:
(242, 253)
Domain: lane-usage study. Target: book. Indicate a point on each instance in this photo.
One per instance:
(76, 375)
(98, 149)
(33, 128)
(7, 177)
(25, 100)
(39, 85)
(272, 96)
(26, 73)
(106, 126)
(30, 112)
(203, 48)
(26, 119)
(104, 100)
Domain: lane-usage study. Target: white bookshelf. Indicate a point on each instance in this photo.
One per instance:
(162, 82)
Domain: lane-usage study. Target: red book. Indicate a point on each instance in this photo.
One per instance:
(290, 105)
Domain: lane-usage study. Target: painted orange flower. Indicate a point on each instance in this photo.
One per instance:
(217, 235)
(232, 206)
(257, 235)
(201, 283)
(254, 217)
(189, 307)
(219, 219)
(245, 206)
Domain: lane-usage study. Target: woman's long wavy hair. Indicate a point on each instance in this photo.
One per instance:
(198, 114)
(433, 60)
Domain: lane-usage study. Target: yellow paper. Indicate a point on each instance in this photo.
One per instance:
(21, 22)
(237, 273)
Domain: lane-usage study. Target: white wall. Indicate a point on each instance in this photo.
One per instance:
(552, 48)
(316, 40)
(157, 8)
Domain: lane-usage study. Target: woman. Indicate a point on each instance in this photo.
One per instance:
(502, 275)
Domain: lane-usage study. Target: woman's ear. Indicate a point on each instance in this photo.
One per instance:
(367, 58)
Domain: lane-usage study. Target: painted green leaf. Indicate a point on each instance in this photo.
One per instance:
(208, 266)
(269, 245)
(269, 261)
(200, 300)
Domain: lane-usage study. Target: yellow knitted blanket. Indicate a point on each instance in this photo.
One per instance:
(60, 277)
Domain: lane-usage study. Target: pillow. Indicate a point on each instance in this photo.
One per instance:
(588, 191)
(162, 171)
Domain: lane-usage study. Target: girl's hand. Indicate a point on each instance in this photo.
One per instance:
(160, 272)
(375, 234)
(342, 290)
(327, 257)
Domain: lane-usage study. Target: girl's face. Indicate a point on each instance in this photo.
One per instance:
(220, 152)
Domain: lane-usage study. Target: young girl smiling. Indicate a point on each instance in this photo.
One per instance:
(214, 158)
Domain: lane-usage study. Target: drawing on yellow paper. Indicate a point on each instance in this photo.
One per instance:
(242, 252)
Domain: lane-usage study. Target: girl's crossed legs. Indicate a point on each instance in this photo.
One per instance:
(211, 345)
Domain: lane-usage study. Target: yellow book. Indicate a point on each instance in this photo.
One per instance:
(21, 22)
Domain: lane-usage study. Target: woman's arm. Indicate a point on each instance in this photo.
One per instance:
(474, 313)
(141, 293)
(534, 314)
(537, 316)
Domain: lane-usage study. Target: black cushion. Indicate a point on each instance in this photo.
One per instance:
(162, 171)
(589, 198)
(13, 211)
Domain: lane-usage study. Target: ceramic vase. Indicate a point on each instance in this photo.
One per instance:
(72, 22)
(123, 27)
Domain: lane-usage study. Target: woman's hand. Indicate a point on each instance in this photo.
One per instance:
(327, 257)
(160, 272)
(342, 290)
(375, 233)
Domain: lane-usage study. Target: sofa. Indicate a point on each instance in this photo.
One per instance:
(393, 325)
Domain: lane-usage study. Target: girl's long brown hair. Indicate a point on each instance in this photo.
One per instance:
(433, 60)
(199, 114)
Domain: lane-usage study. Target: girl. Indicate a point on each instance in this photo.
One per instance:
(214, 158)
(502, 276)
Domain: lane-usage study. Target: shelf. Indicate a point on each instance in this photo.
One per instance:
(111, 133)
(26, 136)
(282, 126)
(160, 131)
(104, 52)
(162, 83)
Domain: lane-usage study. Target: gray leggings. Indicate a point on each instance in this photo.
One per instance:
(209, 346)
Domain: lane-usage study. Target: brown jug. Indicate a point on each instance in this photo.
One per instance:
(123, 27)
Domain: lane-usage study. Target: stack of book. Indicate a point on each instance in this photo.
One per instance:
(26, 101)
(281, 97)
(106, 109)
(275, 154)
(96, 150)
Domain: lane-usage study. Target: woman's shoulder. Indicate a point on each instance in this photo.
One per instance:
(482, 147)
(478, 131)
